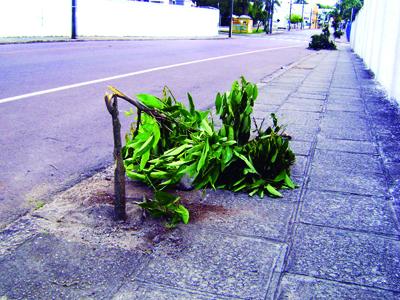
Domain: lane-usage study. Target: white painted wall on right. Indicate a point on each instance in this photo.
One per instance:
(375, 37)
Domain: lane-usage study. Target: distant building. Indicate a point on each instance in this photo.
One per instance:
(281, 14)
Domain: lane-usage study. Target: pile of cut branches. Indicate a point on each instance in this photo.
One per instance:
(169, 142)
(322, 41)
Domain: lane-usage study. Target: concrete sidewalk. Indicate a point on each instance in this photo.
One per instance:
(335, 237)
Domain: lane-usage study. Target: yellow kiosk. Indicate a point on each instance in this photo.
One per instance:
(242, 24)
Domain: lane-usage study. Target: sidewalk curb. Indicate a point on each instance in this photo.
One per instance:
(270, 77)
(31, 40)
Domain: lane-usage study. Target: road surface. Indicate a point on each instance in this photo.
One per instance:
(54, 127)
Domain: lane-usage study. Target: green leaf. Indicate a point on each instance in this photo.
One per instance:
(252, 193)
(273, 159)
(191, 104)
(218, 103)
(145, 146)
(176, 151)
(281, 176)
(143, 160)
(255, 92)
(289, 182)
(165, 198)
(135, 176)
(159, 174)
(231, 134)
(206, 127)
(157, 135)
(246, 161)
(150, 101)
(176, 164)
(183, 213)
(203, 156)
(227, 155)
(273, 191)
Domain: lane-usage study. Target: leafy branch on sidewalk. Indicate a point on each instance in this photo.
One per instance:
(170, 142)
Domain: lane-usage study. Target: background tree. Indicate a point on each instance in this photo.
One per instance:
(336, 23)
(347, 7)
(324, 6)
(241, 7)
(223, 5)
(257, 12)
(270, 7)
(295, 19)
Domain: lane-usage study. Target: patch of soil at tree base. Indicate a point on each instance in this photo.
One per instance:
(201, 211)
(84, 214)
(100, 197)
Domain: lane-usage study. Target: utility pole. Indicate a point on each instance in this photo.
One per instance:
(290, 15)
(231, 20)
(302, 15)
(271, 16)
(73, 29)
(219, 21)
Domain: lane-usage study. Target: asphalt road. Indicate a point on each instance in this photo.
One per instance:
(54, 127)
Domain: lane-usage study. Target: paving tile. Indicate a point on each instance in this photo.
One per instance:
(273, 100)
(136, 290)
(238, 213)
(49, 268)
(266, 108)
(260, 115)
(348, 120)
(358, 183)
(298, 287)
(346, 256)
(345, 100)
(299, 167)
(314, 107)
(391, 150)
(345, 107)
(341, 91)
(300, 148)
(295, 100)
(386, 132)
(339, 133)
(316, 83)
(349, 162)
(301, 133)
(298, 117)
(268, 95)
(16, 234)
(313, 90)
(310, 96)
(282, 86)
(346, 145)
(393, 168)
(364, 213)
(213, 263)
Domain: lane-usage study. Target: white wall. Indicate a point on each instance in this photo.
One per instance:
(105, 18)
(375, 37)
(132, 18)
(35, 18)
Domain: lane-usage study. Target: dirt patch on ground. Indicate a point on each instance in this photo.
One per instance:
(85, 214)
(200, 211)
